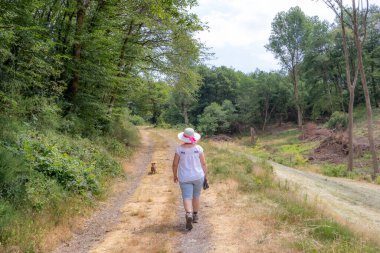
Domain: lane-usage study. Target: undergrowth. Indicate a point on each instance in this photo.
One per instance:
(315, 231)
(48, 177)
(284, 147)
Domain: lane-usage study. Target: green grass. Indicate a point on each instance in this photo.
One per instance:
(284, 147)
(314, 231)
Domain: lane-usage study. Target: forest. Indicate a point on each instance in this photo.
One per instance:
(77, 76)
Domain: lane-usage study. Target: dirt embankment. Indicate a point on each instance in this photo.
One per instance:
(334, 145)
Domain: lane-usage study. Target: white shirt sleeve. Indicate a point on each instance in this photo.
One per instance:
(200, 149)
(177, 150)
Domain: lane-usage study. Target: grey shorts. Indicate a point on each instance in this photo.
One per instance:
(191, 189)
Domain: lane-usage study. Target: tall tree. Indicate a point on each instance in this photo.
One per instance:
(358, 26)
(288, 40)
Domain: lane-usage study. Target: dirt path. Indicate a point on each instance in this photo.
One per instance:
(356, 204)
(146, 214)
(109, 214)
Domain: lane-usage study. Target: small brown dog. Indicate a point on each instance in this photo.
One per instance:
(153, 169)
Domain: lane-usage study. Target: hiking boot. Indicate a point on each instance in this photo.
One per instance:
(189, 220)
(195, 218)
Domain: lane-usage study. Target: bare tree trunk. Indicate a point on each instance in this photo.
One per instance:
(359, 48)
(351, 88)
(350, 162)
(266, 114)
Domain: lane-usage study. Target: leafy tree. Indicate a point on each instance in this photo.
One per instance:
(216, 118)
(265, 97)
(288, 41)
(218, 84)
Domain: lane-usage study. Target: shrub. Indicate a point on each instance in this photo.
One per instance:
(334, 170)
(136, 120)
(124, 132)
(217, 118)
(338, 120)
(377, 180)
(41, 191)
(13, 175)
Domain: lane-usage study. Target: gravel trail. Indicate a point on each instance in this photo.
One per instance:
(198, 239)
(356, 204)
(146, 215)
(109, 215)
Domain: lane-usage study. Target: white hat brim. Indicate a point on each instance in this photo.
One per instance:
(186, 140)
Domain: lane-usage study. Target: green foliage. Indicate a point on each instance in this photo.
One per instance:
(338, 120)
(217, 118)
(137, 120)
(333, 170)
(41, 191)
(41, 173)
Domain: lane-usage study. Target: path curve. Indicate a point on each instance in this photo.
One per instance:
(356, 204)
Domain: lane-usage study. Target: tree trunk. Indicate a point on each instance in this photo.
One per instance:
(358, 44)
(124, 46)
(266, 114)
(296, 97)
(184, 113)
(351, 88)
(72, 90)
(350, 162)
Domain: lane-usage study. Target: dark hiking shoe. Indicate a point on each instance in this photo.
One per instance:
(195, 218)
(189, 221)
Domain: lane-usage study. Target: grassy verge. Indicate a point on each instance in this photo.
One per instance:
(284, 147)
(47, 178)
(314, 231)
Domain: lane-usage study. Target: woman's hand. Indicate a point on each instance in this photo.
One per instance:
(175, 179)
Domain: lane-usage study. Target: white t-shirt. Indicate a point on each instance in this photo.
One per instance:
(189, 167)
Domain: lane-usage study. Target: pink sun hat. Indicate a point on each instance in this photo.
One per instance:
(189, 136)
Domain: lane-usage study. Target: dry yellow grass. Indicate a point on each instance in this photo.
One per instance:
(147, 221)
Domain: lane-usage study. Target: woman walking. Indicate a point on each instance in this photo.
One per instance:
(190, 170)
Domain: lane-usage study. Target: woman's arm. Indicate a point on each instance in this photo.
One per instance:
(175, 168)
(203, 163)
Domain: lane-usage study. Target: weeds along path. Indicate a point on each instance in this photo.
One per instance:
(109, 214)
(356, 204)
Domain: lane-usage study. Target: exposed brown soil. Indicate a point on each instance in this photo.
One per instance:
(333, 145)
(312, 132)
(220, 137)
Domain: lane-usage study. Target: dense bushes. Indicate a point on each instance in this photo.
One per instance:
(217, 118)
(44, 173)
(338, 120)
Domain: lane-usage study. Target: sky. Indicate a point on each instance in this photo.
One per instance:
(239, 29)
